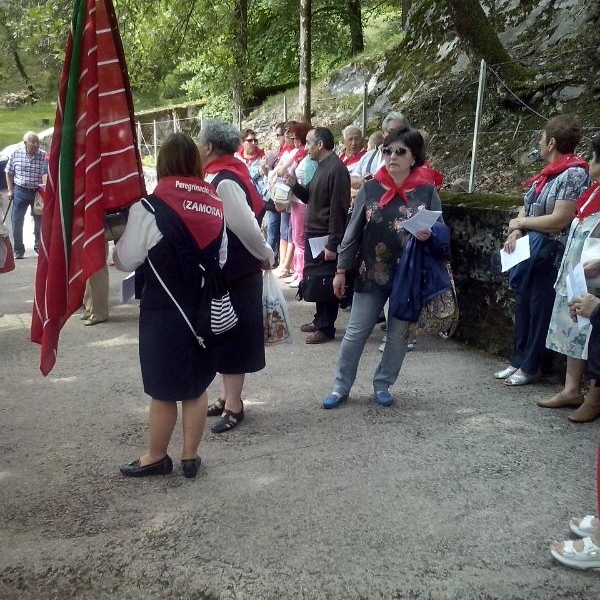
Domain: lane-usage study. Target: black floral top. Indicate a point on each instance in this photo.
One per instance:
(374, 237)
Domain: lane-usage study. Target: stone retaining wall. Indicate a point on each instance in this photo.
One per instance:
(486, 304)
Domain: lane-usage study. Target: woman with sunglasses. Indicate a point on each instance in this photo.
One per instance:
(250, 152)
(374, 240)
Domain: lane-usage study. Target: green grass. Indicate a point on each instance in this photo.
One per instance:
(16, 121)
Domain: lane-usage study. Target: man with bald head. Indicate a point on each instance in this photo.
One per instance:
(24, 171)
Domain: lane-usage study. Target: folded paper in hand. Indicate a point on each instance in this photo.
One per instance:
(520, 253)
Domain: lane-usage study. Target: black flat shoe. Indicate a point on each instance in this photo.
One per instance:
(228, 421)
(189, 466)
(161, 467)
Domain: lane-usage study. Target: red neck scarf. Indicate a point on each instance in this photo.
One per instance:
(437, 178)
(589, 201)
(351, 160)
(416, 178)
(556, 167)
(282, 150)
(250, 159)
(229, 163)
(298, 157)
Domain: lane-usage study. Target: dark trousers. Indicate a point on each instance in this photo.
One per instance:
(532, 319)
(325, 316)
(326, 312)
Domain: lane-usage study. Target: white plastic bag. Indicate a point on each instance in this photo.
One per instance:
(276, 319)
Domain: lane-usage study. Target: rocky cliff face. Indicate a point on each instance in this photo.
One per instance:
(432, 78)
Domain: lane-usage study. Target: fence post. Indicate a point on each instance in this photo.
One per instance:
(154, 140)
(364, 110)
(285, 109)
(138, 130)
(480, 92)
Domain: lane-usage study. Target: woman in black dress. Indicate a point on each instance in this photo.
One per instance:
(247, 253)
(182, 220)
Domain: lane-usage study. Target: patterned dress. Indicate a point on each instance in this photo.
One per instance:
(564, 335)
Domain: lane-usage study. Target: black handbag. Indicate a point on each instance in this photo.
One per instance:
(317, 282)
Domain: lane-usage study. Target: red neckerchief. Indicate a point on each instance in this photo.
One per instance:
(237, 167)
(197, 204)
(249, 159)
(351, 160)
(415, 179)
(589, 202)
(437, 178)
(302, 153)
(556, 167)
(285, 148)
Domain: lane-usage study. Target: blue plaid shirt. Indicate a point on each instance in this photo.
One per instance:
(27, 170)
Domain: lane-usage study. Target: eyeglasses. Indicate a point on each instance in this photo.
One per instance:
(279, 134)
(396, 151)
(252, 140)
(293, 138)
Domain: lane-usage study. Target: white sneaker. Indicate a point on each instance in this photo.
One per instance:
(382, 345)
(295, 283)
(290, 279)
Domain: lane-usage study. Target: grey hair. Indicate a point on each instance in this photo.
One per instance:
(224, 137)
(350, 128)
(394, 116)
(31, 136)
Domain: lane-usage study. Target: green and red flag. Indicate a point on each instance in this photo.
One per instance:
(94, 168)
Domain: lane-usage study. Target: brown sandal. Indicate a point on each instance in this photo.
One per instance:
(216, 408)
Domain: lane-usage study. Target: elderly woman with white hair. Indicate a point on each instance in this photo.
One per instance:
(354, 147)
(247, 253)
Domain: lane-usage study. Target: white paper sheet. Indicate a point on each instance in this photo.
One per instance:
(422, 220)
(576, 287)
(521, 252)
(317, 245)
(127, 289)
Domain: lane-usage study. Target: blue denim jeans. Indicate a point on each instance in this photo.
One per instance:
(22, 199)
(273, 224)
(366, 307)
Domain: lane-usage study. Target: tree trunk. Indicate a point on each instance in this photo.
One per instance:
(474, 28)
(240, 57)
(17, 60)
(305, 59)
(357, 42)
(406, 6)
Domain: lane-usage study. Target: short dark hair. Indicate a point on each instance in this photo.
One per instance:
(247, 132)
(566, 130)
(412, 139)
(299, 130)
(595, 144)
(179, 155)
(280, 126)
(322, 134)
